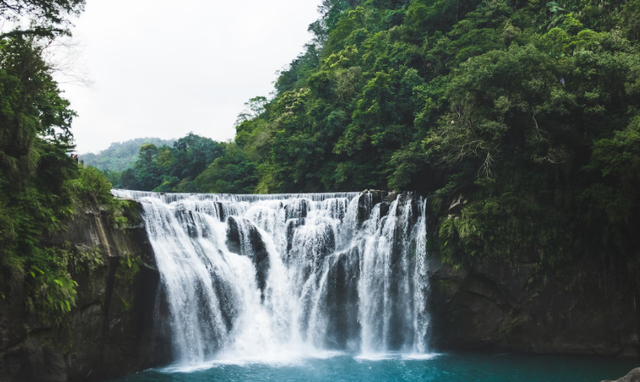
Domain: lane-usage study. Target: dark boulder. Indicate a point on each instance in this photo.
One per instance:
(366, 201)
(245, 239)
(297, 208)
(342, 301)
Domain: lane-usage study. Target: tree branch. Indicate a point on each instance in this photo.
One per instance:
(40, 32)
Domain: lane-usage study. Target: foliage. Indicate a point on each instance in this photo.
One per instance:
(520, 119)
(169, 169)
(231, 173)
(46, 18)
(128, 270)
(33, 161)
(41, 187)
(120, 155)
(91, 188)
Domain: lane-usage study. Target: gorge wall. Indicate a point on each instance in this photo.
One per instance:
(120, 324)
(111, 331)
(575, 309)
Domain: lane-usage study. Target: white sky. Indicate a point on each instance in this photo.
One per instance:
(162, 68)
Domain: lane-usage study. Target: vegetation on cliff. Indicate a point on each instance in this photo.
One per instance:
(171, 168)
(193, 164)
(41, 186)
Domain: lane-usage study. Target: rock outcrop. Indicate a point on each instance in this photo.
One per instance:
(576, 309)
(368, 199)
(244, 239)
(112, 330)
(633, 376)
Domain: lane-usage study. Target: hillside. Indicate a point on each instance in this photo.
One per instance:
(121, 155)
(520, 119)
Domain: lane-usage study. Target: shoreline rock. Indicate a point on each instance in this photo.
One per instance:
(633, 376)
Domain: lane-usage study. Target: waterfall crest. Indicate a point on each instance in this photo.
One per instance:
(272, 276)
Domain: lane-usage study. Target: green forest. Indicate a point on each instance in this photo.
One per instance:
(120, 155)
(520, 120)
(41, 186)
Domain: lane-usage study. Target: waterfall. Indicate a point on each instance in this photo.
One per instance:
(290, 275)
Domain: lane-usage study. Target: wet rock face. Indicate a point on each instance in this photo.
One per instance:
(191, 221)
(367, 200)
(234, 242)
(244, 239)
(342, 301)
(291, 229)
(185, 217)
(34, 362)
(112, 330)
(504, 307)
(297, 210)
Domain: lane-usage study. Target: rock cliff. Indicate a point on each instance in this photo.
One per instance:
(576, 309)
(112, 329)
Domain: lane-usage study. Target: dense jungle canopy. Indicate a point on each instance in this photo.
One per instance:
(520, 119)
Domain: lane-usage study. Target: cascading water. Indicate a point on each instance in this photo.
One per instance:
(267, 277)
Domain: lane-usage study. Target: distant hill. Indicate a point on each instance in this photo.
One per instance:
(121, 155)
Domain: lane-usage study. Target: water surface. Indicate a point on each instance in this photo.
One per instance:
(441, 368)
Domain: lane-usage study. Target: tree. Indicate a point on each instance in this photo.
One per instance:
(192, 154)
(515, 117)
(231, 173)
(46, 18)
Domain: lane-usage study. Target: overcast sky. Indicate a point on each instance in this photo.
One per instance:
(162, 68)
